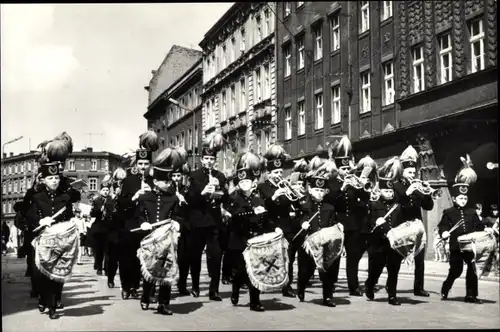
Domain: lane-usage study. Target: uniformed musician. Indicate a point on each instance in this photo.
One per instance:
(412, 202)
(181, 179)
(248, 220)
(380, 253)
(460, 213)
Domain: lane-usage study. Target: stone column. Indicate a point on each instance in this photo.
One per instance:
(432, 173)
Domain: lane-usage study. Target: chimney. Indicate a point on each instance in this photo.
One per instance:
(11, 154)
(89, 149)
(5, 155)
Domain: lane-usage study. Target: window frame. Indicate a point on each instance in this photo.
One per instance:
(91, 179)
(474, 39)
(418, 63)
(300, 51)
(445, 52)
(335, 32)
(288, 123)
(318, 42)
(92, 168)
(388, 99)
(336, 104)
(387, 10)
(319, 111)
(287, 54)
(365, 87)
(365, 16)
(301, 119)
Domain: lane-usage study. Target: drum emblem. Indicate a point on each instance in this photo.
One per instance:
(320, 183)
(256, 172)
(134, 171)
(463, 189)
(242, 175)
(143, 154)
(389, 184)
(277, 163)
(345, 162)
(270, 264)
(53, 170)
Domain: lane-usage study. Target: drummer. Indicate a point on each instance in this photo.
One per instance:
(247, 209)
(45, 204)
(464, 180)
(316, 191)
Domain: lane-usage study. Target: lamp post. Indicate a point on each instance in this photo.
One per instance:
(9, 142)
(490, 165)
(175, 102)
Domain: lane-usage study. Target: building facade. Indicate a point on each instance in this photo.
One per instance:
(180, 124)
(19, 172)
(389, 74)
(239, 97)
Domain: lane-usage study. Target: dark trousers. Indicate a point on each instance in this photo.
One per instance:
(457, 260)
(163, 296)
(130, 268)
(377, 260)
(50, 291)
(226, 257)
(113, 256)
(240, 276)
(200, 237)
(355, 246)
(183, 258)
(418, 283)
(293, 247)
(307, 266)
(31, 269)
(100, 240)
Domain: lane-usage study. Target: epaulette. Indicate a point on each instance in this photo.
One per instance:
(132, 170)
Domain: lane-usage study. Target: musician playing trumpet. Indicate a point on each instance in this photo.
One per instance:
(467, 217)
(412, 202)
(380, 253)
(278, 204)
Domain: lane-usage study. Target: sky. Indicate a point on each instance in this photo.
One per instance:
(83, 68)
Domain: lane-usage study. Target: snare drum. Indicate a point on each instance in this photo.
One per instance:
(484, 246)
(407, 239)
(325, 246)
(266, 259)
(56, 250)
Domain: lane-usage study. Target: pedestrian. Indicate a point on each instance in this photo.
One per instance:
(82, 230)
(5, 236)
(492, 216)
(479, 210)
(439, 245)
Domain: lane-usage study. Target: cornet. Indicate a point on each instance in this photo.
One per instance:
(355, 182)
(291, 194)
(425, 188)
(212, 180)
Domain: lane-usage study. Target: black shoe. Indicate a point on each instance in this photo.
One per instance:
(164, 310)
(235, 298)
(329, 303)
(386, 289)
(421, 293)
(394, 301)
(472, 299)
(153, 299)
(41, 307)
(99, 272)
(309, 284)
(288, 292)
(144, 305)
(369, 293)
(357, 292)
(301, 295)
(195, 292)
(225, 281)
(133, 293)
(244, 286)
(33, 294)
(214, 296)
(53, 314)
(111, 284)
(257, 307)
(444, 294)
(125, 295)
(183, 292)
(59, 305)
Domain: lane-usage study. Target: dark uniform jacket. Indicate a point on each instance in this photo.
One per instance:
(46, 204)
(152, 207)
(279, 210)
(325, 218)
(350, 205)
(452, 216)
(102, 210)
(205, 211)
(378, 209)
(411, 206)
(65, 184)
(244, 223)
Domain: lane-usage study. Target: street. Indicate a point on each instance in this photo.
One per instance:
(90, 306)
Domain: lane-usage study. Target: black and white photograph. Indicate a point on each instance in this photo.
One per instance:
(227, 166)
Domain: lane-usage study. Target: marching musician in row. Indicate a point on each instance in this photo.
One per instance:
(281, 211)
(45, 204)
(316, 214)
(248, 220)
(380, 253)
(137, 182)
(350, 209)
(412, 202)
(449, 227)
(209, 189)
(154, 206)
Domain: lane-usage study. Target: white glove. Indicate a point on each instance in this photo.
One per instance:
(411, 189)
(445, 235)
(138, 194)
(259, 210)
(278, 230)
(208, 190)
(305, 225)
(341, 227)
(292, 214)
(176, 225)
(181, 198)
(225, 213)
(145, 226)
(489, 230)
(47, 221)
(379, 221)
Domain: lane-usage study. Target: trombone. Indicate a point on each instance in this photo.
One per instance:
(425, 188)
(291, 194)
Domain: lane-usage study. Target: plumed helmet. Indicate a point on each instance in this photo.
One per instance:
(275, 157)
(390, 172)
(149, 141)
(300, 166)
(368, 168)
(409, 157)
(341, 151)
(67, 139)
(248, 167)
(212, 144)
(57, 150)
(465, 178)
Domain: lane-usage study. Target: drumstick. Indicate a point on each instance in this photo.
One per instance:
(159, 223)
(302, 230)
(53, 217)
(387, 215)
(458, 224)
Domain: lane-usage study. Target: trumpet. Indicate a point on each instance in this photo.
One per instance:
(355, 182)
(425, 188)
(212, 180)
(291, 193)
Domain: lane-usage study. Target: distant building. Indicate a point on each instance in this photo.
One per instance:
(19, 171)
(239, 78)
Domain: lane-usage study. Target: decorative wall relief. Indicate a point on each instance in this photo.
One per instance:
(428, 169)
(403, 51)
(430, 68)
(473, 6)
(491, 31)
(458, 39)
(443, 14)
(415, 21)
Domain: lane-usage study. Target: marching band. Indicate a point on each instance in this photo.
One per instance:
(156, 217)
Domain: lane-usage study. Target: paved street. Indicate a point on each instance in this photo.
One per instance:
(90, 305)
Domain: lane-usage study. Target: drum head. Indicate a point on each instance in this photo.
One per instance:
(267, 237)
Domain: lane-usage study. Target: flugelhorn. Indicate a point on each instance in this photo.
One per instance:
(290, 193)
(425, 188)
(355, 182)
